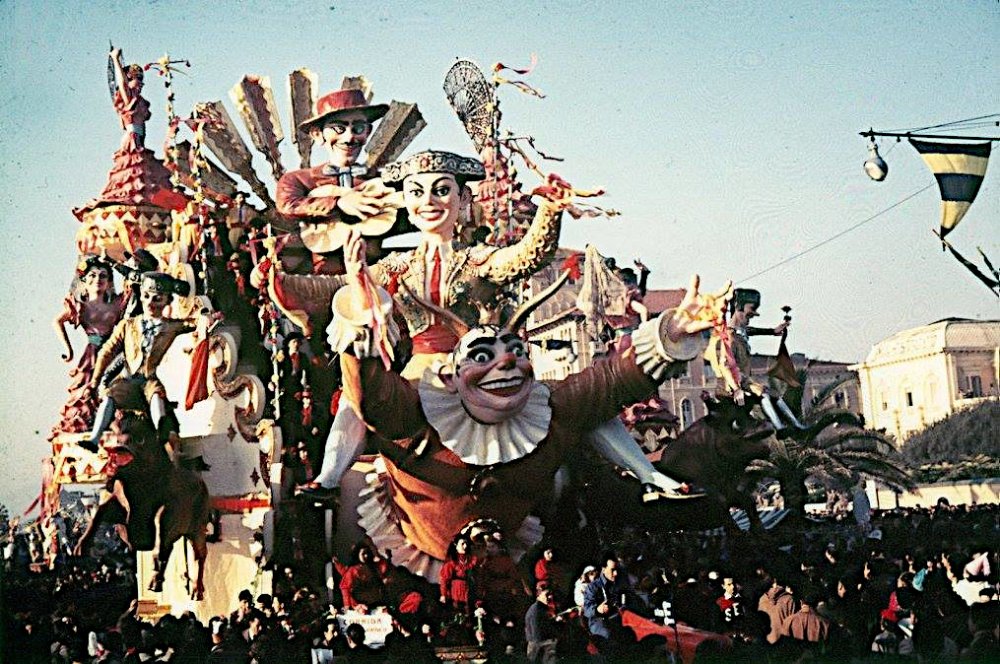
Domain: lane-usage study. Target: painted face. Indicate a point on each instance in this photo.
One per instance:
(493, 375)
(97, 280)
(728, 587)
(433, 201)
(344, 135)
(153, 301)
(461, 546)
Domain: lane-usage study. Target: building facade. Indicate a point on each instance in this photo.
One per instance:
(921, 375)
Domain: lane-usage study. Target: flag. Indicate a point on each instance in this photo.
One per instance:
(197, 389)
(959, 169)
(783, 369)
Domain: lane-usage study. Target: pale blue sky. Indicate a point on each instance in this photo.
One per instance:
(725, 132)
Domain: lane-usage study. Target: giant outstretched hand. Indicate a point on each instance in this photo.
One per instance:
(355, 259)
(698, 311)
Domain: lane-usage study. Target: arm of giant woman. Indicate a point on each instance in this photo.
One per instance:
(526, 257)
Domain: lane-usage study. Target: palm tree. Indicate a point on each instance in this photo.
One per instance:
(834, 450)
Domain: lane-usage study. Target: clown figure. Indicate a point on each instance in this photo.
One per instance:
(478, 437)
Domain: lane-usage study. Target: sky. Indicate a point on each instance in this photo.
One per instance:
(726, 133)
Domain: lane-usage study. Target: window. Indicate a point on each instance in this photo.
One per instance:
(976, 386)
(909, 399)
(687, 413)
(840, 399)
(685, 371)
(707, 371)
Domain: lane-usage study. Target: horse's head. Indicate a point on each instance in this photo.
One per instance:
(739, 434)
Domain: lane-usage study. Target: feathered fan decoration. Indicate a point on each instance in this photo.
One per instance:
(254, 99)
(302, 87)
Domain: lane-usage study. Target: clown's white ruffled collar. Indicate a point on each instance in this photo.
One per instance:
(481, 444)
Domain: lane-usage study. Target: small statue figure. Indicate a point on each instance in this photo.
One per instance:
(144, 339)
(237, 220)
(137, 176)
(732, 364)
(93, 306)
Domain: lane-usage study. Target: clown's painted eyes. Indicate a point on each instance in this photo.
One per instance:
(517, 349)
(481, 355)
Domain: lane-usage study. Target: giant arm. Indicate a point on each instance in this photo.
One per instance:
(521, 260)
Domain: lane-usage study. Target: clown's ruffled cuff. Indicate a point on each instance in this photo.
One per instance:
(353, 326)
(655, 352)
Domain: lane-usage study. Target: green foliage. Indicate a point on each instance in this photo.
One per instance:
(965, 434)
(972, 468)
(834, 451)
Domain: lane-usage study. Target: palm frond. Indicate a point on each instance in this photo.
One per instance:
(828, 391)
(827, 416)
(858, 440)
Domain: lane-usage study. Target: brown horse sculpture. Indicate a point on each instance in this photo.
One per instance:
(712, 453)
(153, 503)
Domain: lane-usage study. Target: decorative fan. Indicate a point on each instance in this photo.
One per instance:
(112, 77)
(471, 97)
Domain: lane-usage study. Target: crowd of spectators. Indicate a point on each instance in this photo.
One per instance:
(920, 585)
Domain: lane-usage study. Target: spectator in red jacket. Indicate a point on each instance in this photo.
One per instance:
(361, 581)
(456, 575)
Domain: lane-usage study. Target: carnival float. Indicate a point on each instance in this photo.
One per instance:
(263, 381)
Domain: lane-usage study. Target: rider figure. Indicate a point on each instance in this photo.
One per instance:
(743, 309)
(144, 339)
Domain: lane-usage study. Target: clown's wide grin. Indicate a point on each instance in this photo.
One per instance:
(503, 387)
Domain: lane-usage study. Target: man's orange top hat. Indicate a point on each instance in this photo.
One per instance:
(342, 101)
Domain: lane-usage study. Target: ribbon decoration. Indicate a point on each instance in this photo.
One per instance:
(377, 320)
(520, 85)
(165, 68)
